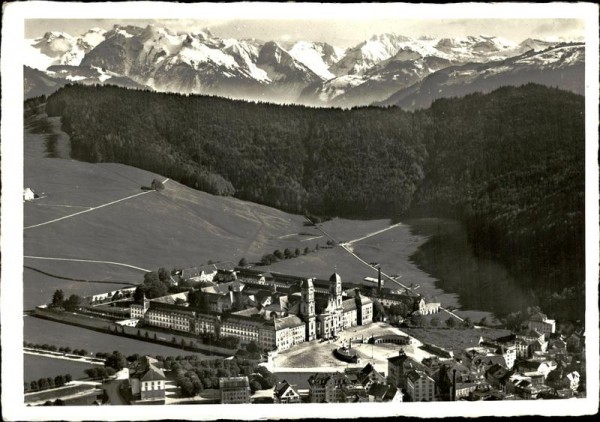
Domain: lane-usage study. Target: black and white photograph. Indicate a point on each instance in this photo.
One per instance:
(299, 210)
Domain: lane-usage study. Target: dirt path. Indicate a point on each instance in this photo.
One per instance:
(371, 234)
(348, 248)
(92, 208)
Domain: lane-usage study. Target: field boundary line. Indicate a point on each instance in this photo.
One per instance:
(92, 208)
(86, 260)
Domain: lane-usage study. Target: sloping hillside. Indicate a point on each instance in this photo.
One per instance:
(176, 227)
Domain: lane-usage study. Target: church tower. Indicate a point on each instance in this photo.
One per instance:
(335, 290)
(307, 308)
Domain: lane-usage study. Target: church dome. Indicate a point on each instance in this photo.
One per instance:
(335, 277)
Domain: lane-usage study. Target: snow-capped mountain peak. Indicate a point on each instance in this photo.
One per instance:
(316, 56)
(307, 72)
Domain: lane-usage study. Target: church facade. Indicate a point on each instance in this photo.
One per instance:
(326, 315)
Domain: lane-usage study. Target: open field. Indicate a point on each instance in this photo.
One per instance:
(323, 263)
(71, 391)
(42, 331)
(38, 288)
(37, 366)
(177, 227)
(344, 230)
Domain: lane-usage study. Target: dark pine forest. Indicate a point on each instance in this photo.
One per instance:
(509, 165)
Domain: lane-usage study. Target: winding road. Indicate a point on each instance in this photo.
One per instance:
(347, 246)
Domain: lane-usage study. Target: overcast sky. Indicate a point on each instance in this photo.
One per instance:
(340, 32)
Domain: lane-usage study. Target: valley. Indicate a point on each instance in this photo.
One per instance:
(109, 229)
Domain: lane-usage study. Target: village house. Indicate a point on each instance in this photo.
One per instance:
(148, 380)
(425, 308)
(542, 324)
(420, 386)
(117, 294)
(29, 195)
(285, 393)
(534, 367)
(464, 390)
(327, 387)
(335, 388)
(497, 376)
(384, 393)
(365, 376)
(399, 366)
(235, 390)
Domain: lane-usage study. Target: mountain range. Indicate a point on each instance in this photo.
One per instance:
(386, 69)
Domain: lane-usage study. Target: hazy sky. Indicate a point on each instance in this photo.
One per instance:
(340, 32)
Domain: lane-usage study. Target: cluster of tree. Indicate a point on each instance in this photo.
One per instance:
(516, 321)
(70, 304)
(196, 373)
(156, 284)
(509, 164)
(100, 372)
(46, 383)
(277, 255)
(57, 402)
(116, 360)
(30, 107)
(157, 185)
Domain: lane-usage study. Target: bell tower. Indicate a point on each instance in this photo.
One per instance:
(335, 289)
(307, 308)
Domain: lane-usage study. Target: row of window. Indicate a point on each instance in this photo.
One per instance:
(153, 385)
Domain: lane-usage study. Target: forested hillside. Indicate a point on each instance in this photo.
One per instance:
(294, 158)
(509, 164)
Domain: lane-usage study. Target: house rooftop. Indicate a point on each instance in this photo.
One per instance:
(233, 382)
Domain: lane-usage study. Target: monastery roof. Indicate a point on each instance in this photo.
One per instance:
(171, 307)
(349, 305)
(247, 312)
(291, 321)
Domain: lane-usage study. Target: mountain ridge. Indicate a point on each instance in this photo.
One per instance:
(303, 72)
